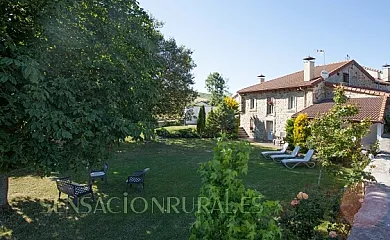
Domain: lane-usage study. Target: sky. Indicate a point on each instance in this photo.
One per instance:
(243, 39)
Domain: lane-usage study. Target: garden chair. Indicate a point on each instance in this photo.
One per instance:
(293, 154)
(74, 190)
(138, 177)
(99, 174)
(298, 161)
(281, 151)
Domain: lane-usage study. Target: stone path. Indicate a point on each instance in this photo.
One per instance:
(373, 219)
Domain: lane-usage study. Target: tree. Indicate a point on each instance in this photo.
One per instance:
(290, 132)
(201, 123)
(212, 125)
(301, 131)
(76, 78)
(226, 209)
(226, 115)
(336, 139)
(217, 86)
(175, 79)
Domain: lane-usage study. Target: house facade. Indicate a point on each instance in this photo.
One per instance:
(266, 106)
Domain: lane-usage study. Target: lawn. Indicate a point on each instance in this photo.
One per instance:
(173, 174)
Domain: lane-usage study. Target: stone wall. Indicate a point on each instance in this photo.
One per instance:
(358, 78)
(304, 98)
(281, 112)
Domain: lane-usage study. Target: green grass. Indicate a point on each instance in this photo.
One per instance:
(173, 174)
(174, 128)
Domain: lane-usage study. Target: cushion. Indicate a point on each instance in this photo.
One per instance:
(97, 174)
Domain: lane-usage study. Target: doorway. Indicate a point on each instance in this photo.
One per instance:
(269, 125)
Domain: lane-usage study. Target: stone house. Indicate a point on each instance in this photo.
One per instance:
(266, 106)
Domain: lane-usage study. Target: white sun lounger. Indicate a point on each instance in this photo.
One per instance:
(293, 154)
(281, 151)
(297, 161)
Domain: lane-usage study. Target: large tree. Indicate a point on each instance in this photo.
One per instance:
(175, 79)
(75, 78)
(217, 86)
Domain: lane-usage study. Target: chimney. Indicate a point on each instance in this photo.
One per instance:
(386, 73)
(308, 68)
(261, 78)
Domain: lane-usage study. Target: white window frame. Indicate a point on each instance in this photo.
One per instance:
(291, 102)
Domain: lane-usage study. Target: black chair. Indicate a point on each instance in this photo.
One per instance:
(138, 177)
(99, 174)
(74, 190)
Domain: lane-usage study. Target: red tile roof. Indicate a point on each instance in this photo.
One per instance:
(368, 91)
(368, 108)
(295, 80)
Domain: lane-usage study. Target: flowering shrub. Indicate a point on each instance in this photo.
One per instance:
(306, 212)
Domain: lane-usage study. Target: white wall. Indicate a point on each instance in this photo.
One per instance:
(371, 137)
(196, 110)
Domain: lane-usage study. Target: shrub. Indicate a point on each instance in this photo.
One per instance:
(201, 122)
(301, 131)
(304, 214)
(374, 149)
(211, 129)
(290, 133)
(177, 133)
(226, 209)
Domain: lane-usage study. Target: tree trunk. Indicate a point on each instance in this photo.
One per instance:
(3, 190)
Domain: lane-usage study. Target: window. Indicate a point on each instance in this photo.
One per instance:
(346, 78)
(252, 103)
(270, 105)
(291, 102)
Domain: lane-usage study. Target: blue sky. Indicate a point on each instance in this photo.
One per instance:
(242, 39)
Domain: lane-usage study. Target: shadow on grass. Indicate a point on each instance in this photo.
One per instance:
(35, 219)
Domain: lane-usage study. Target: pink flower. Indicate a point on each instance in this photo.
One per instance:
(294, 202)
(302, 195)
(332, 234)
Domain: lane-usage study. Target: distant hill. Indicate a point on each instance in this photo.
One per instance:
(203, 97)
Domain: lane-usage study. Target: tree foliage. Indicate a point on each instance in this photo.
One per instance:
(217, 86)
(289, 128)
(77, 77)
(226, 209)
(175, 79)
(336, 139)
(212, 125)
(201, 122)
(301, 131)
(224, 120)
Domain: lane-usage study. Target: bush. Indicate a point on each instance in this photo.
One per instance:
(211, 129)
(301, 131)
(223, 120)
(177, 133)
(374, 149)
(172, 123)
(226, 209)
(307, 211)
(290, 133)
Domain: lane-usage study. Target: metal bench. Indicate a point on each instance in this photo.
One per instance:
(138, 178)
(74, 190)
